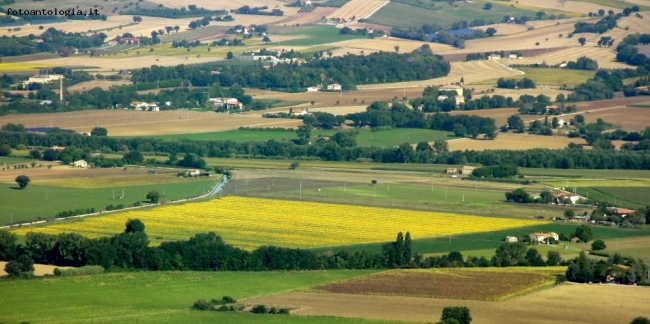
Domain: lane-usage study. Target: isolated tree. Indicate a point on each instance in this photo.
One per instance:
(555, 122)
(601, 12)
(458, 313)
(134, 226)
(177, 28)
(99, 131)
(487, 6)
(266, 40)
(22, 181)
(5, 150)
(153, 196)
(396, 49)
(583, 233)
(640, 320)
(516, 123)
(598, 245)
(582, 41)
(490, 31)
(569, 214)
(230, 56)
(373, 181)
(294, 165)
(23, 266)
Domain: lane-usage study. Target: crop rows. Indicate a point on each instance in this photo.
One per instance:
(252, 222)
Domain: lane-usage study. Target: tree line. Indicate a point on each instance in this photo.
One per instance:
(174, 13)
(209, 252)
(49, 41)
(349, 70)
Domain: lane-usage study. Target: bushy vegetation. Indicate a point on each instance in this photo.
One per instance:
(615, 269)
(524, 83)
(80, 271)
(174, 13)
(247, 10)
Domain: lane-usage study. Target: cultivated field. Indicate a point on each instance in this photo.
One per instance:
(295, 224)
(545, 77)
(473, 71)
(388, 45)
(570, 6)
(512, 141)
(499, 115)
(640, 121)
(492, 284)
(335, 100)
(307, 18)
(157, 297)
(39, 269)
(638, 247)
(144, 123)
(134, 61)
(606, 57)
(103, 84)
(232, 4)
(618, 304)
(358, 8)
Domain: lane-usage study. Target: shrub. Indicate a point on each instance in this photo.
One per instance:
(81, 271)
(201, 304)
(259, 309)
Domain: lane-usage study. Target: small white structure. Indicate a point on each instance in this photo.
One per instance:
(46, 102)
(540, 237)
(460, 98)
(304, 112)
(313, 89)
(43, 78)
(334, 87)
(494, 57)
(80, 164)
(512, 56)
(194, 173)
(511, 239)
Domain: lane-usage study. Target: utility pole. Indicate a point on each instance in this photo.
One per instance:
(300, 189)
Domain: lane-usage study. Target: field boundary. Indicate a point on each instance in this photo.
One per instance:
(373, 12)
(213, 192)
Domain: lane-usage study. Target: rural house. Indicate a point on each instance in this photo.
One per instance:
(564, 198)
(451, 170)
(539, 237)
(511, 239)
(620, 211)
(460, 99)
(468, 170)
(43, 78)
(313, 89)
(494, 57)
(80, 164)
(334, 87)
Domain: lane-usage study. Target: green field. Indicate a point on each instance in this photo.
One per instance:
(628, 197)
(37, 201)
(13, 160)
(393, 137)
(546, 76)
(534, 173)
(617, 4)
(315, 36)
(492, 240)
(397, 14)
(156, 297)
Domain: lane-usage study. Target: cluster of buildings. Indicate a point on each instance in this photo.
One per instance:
(329, 87)
(228, 103)
(458, 89)
(146, 106)
(466, 170)
(43, 78)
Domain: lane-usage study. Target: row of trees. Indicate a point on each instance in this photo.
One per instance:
(174, 13)
(330, 151)
(615, 269)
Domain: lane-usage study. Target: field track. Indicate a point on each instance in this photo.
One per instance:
(570, 6)
(358, 8)
(618, 304)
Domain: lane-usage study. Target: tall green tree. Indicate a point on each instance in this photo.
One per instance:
(22, 181)
(8, 246)
(23, 266)
(134, 226)
(458, 313)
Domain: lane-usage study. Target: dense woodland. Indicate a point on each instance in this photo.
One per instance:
(348, 71)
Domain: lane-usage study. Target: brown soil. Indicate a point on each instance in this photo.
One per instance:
(578, 304)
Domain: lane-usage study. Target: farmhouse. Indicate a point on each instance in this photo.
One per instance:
(313, 89)
(139, 105)
(454, 88)
(451, 170)
(304, 112)
(467, 169)
(564, 198)
(58, 148)
(620, 211)
(334, 87)
(124, 41)
(540, 237)
(511, 239)
(80, 164)
(513, 56)
(494, 57)
(43, 78)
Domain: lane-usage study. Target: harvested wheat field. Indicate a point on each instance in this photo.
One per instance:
(512, 141)
(143, 123)
(506, 29)
(500, 115)
(629, 25)
(606, 57)
(570, 6)
(472, 71)
(104, 84)
(525, 40)
(230, 4)
(388, 45)
(39, 269)
(560, 304)
(115, 63)
(630, 118)
(305, 18)
(255, 19)
(358, 8)
(336, 110)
